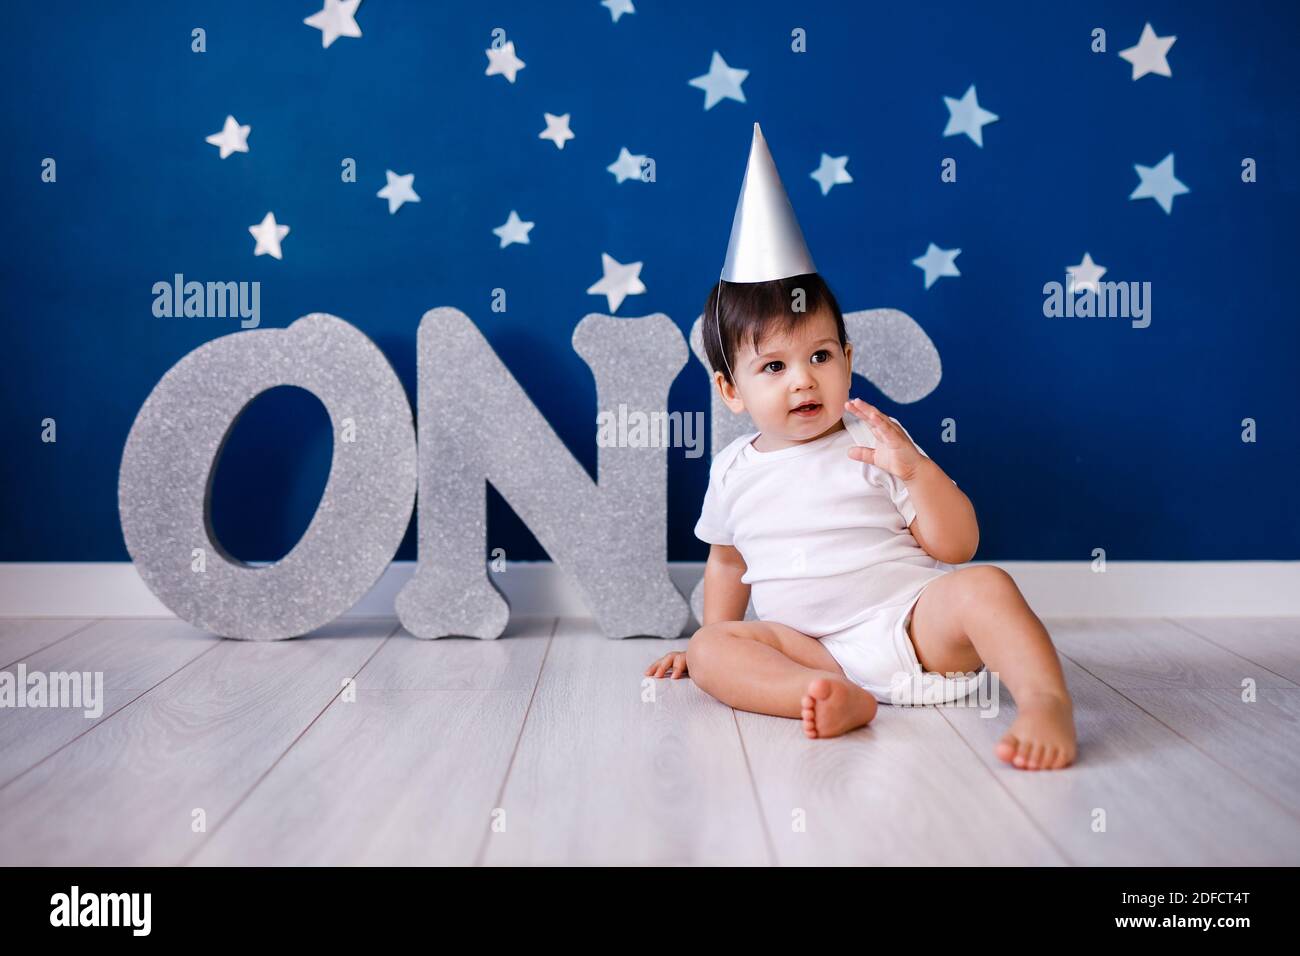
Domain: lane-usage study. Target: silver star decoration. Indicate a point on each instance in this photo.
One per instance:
(233, 138)
(1158, 182)
(831, 172)
(268, 234)
(618, 281)
(721, 82)
(338, 18)
(514, 230)
(627, 166)
(967, 116)
(618, 7)
(937, 263)
(502, 60)
(557, 130)
(1149, 54)
(398, 190)
(1086, 274)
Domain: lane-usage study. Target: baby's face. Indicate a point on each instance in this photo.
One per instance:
(785, 372)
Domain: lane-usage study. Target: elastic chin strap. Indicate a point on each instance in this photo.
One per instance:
(717, 327)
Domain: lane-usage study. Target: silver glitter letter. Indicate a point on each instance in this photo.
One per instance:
(476, 424)
(172, 450)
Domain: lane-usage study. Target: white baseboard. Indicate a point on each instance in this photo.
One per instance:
(1052, 588)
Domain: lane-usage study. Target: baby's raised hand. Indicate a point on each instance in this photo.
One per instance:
(894, 451)
(676, 660)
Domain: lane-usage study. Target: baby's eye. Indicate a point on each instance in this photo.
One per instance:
(825, 352)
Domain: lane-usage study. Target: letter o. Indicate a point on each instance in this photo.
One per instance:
(172, 451)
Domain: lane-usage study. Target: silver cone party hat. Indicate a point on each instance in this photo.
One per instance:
(766, 241)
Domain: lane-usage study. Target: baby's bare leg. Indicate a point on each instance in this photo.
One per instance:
(977, 614)
(769, 668)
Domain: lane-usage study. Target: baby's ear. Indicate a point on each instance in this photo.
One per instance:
(720, 383)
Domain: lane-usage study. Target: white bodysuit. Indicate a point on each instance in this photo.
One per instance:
(828, 552)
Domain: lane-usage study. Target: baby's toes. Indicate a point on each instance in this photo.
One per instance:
(1030, 750)
(1038, 759)
(1022, 753)
(1006, 748)
(1065, 757)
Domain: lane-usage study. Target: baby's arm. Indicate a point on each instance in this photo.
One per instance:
(725, 597)
(945, 524)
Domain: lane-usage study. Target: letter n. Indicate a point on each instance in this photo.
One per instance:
(476, 424)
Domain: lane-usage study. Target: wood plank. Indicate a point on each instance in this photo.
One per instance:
(124, 795)
(21, 637)
(131, 655)
(444, 732)
(903, 791)
(407, 774)
(1135, 653)
(511, 662)
(1272, 642)
(1165, 803)
(1256, 740)
(606, 774)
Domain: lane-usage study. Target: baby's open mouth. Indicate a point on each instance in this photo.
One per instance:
(807, 410)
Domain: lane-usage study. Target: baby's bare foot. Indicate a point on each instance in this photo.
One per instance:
(834, 707)
(1042, 735)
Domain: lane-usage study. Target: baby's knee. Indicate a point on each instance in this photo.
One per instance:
(702, 649)
(712, 633)
(985, 582)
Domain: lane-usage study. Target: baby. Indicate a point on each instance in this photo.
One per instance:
(848, 544)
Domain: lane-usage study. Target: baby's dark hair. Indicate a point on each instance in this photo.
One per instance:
(754, 310)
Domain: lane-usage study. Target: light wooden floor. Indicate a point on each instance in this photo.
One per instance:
(549, 732)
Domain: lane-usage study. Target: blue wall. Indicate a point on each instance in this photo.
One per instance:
(1073, 434)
